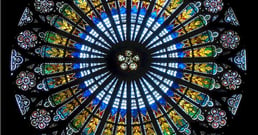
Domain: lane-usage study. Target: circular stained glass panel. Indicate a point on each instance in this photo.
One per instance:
(128, 67)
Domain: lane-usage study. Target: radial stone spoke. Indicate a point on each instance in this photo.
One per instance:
(107, 112)
(149, 110)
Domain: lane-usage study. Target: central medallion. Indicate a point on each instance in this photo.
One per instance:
(128, 60)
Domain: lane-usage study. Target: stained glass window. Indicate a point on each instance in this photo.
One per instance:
(128, 67)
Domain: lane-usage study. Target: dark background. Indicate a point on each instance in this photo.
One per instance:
(244, 123)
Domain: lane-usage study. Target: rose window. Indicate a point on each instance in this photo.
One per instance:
(128, 66)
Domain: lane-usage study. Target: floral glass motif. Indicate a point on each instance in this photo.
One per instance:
(230, 39)
(26, 80)
(40, 118)
(27, 39)
(217, 118)
(231, 80)
(44, 6)
(213, 6)
(128, 67)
